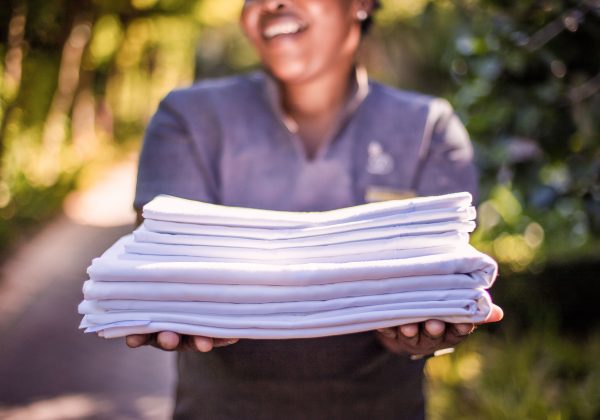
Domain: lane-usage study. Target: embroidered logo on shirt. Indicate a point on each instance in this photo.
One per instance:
(379, 162)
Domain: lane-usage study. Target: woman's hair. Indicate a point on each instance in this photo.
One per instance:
(368, 22)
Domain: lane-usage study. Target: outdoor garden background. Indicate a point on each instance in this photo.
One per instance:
(80, 78)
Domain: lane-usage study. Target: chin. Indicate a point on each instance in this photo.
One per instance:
(290, 73)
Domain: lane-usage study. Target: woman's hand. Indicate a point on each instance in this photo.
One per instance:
(429, 336)
(170, 341)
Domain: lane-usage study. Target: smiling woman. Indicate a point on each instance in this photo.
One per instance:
(308, 132)
(302, 40)
(309, 48)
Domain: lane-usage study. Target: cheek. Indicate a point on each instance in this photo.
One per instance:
(249, 23)
(334, 24)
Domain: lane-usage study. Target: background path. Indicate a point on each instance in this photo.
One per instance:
(48, 368)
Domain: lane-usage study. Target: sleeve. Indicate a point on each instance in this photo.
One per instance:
(446, 163)
(175, 159)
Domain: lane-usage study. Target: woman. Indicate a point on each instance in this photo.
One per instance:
(308, 133)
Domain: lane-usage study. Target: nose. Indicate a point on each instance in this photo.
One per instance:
(276, 5)
(272, 5)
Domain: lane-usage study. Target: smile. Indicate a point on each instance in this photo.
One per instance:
(283, 28)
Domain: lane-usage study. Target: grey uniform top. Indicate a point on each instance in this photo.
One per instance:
(224, 141)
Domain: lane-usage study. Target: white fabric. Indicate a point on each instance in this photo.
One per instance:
(143, 235)
(448, 215)
(218, 271)
(145, 327)
(367, 256)
(176, 209)
(217, 308)
(97, 290)
(463, 260)
(308, 253)
(286, 321)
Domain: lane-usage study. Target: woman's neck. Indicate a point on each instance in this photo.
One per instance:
(316, 97)
(315, 106)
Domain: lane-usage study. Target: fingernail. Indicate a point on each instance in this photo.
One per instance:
(435, 329)
(224, 342)
(203, 345)
(409, 332)
(463, 329)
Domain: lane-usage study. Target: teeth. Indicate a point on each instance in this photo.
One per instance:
(281, 29)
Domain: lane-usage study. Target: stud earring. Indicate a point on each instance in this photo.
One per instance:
(362, 15)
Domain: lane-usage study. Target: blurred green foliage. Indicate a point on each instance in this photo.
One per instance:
(78, 82)
(539, 375)
(525, 78)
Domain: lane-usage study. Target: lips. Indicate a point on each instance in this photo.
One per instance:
(281, 26)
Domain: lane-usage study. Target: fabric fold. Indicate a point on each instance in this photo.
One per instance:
(448, 215)
(216, 308)
(176, 209)
(463, 260)
(143, 235)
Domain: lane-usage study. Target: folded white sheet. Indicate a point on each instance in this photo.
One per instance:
(143, 235)
(120, 329)
(303, 254)
(216, 308)
(174, 209)
(364, 257)
(463, 260)
(143, 327)
(101, 290)
(287, 321)
(446, 215)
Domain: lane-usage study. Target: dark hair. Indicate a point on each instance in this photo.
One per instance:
(368, 22)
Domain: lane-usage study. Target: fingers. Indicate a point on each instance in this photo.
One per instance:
(202, 344)
(434, 329)
(409, 330)
(424, 338)
(168, 340)
(462, 329)
(496, 314)
(137, 340)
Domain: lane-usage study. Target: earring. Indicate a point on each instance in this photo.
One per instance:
(362, 15)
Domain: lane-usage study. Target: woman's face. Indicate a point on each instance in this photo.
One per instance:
(298, 40)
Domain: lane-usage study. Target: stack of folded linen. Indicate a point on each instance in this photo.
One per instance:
(227, 272)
